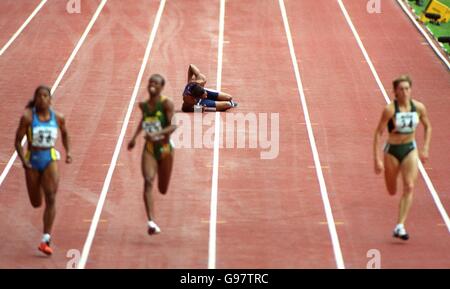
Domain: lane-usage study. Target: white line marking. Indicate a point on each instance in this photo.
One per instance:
(323, 188)
(58, 80)
(425, 176)
(115, 157)
(11, 40)
(424, 33)
(215, 172)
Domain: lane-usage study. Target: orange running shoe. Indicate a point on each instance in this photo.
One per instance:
(44, 247)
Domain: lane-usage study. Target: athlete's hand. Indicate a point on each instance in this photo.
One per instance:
(131, 144)
(68, 159)
(27, 165)
(154, 136)
(379, 167)
(423, 155)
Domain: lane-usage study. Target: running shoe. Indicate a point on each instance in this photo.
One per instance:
(401, 234)
(44, 247)
(153, 229)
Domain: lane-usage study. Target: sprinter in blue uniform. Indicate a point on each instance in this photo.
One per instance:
(40, 123)
(195, 92)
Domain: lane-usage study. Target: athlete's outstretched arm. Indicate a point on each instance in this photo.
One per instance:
(132, 142)
(387, 114)
(65, 137)
(25, 122)
(427, 135)
(194, 74)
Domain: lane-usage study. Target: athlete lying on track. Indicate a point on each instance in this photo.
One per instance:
(157, 157)
(400, 153)
(196, 93)
(40, 123)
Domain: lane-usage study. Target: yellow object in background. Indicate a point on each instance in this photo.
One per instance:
(438, 8)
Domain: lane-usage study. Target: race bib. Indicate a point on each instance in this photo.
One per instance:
(44, 137)
(152, 124)
(406, 122)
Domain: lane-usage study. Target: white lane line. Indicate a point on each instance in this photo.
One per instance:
(58, 80)
(425, 176)
(215, 172)
(323, 188)
(115, 157)
(424, 33)
(21, 28)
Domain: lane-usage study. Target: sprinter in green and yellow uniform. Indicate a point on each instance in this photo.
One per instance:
(157, 156)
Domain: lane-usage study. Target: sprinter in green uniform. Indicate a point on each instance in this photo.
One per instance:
(400, 152)
(157, 156)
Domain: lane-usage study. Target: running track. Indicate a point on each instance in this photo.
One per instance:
(270, 213)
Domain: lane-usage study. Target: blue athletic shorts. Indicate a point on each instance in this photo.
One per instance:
(210, 100)
(40, 159)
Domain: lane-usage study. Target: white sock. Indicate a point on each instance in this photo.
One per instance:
(151, 224)
(400, 227)
(46, 238)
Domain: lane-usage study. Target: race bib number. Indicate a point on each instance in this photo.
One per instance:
(406, 122)
(44, 137)
(152, 124)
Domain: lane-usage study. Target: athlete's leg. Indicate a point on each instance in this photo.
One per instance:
(149, 169)
(164, 172)
(391, 170)
(224, 96)
(217, 95)
(50, 181)
(35, 193)
(223, 105)
(409, 172)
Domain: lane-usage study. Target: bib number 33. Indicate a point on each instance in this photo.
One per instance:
(44, 137)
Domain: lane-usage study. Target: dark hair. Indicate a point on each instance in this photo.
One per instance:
(197, 91)
(400, 79)
(160, 77)
(32, 102)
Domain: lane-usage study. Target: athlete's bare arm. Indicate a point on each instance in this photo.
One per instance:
(423, 114)
(25, 122)
(132, 142)
(194, 75)
(65, 136)
(386, 115)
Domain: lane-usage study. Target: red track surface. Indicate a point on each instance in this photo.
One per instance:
(184, 213)
(12, 14)
(270, 212)
(346, 103)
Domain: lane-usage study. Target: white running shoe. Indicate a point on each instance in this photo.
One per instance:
(153, 229)
(400, 232)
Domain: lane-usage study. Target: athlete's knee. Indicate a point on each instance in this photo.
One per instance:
(35, 198)
(148, 182)
(36, 203)
(50, 199)
(227, 96)
(408, 187)
(163, 189)
(392, 189)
